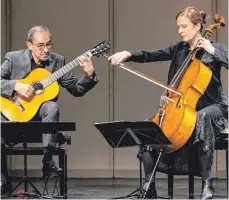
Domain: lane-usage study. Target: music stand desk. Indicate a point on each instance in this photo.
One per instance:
(139, 133)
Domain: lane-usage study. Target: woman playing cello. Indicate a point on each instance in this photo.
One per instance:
(212, 106)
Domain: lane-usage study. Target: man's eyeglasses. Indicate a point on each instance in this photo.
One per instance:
(41, 47)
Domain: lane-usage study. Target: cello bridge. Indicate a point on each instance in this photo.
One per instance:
(166, 100)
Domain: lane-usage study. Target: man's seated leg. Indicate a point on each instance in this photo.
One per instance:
(6, 185)
(49, 112)
(49, 143)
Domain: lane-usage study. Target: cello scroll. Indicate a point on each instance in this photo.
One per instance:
(219, 21)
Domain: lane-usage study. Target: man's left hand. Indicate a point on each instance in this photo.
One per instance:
(86, 64)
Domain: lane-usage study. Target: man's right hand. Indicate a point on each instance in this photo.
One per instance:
(24, 90)
(119, 57)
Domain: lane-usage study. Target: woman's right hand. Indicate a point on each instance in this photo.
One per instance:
(119, 57)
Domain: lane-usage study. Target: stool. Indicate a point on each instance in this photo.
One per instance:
(221, 144)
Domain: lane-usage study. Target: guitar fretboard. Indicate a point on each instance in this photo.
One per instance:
(59, 73)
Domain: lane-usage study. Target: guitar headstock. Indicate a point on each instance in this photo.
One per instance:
(101, 48)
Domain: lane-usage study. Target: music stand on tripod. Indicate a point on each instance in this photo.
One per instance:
(121, 134)
(24, 138)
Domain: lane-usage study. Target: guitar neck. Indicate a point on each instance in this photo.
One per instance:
(95, 51)
(60, 72)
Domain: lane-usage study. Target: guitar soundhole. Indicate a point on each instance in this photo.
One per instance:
(38, 87)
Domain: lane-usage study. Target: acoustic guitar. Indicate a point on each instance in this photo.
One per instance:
(45, 87)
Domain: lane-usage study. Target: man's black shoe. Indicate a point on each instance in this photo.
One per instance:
(6, 186)
(49, 168)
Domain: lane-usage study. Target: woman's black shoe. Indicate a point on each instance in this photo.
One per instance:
(152, 192)
(207, 191)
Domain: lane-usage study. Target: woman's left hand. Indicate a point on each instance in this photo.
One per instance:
(206, 45)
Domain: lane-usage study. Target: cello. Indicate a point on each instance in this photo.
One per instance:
(177, 115)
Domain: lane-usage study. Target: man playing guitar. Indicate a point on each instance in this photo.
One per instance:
(17, 65)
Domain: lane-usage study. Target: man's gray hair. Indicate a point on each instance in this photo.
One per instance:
(35, 29)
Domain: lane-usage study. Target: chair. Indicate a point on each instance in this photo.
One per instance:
(221, 144)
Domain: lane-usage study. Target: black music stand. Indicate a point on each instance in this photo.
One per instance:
(128, 134)
(25, 178)
(24, 137)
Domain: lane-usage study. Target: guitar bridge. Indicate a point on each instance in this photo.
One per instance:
(20, 106)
